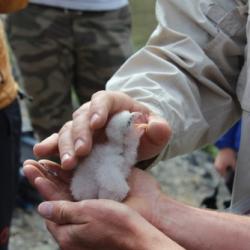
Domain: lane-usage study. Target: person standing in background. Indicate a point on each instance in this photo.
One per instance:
(225, 161)
(67, 44)
(10, 131)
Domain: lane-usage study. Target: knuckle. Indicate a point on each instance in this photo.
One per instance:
(76, 113)
(83, 109)
(65, 127)
(97, 94)
(61, 213)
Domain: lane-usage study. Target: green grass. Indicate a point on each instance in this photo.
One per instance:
(211, 150)
(143, 21)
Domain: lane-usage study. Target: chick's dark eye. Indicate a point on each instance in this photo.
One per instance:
(129, 121)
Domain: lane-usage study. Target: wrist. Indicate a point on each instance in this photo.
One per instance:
(148, 237)
(174, 220)
(196, 229)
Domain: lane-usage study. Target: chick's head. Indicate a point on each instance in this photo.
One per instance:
(123, 125)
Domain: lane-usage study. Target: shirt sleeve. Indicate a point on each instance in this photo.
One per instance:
(187, 73)
(231, 139)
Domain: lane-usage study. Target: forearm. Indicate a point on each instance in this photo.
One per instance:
(156, 240)
(144, 236)
(196, 229)
(175, 78)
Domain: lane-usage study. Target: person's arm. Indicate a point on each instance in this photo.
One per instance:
(225, 160)
(196, 229)
(101, 224)
(190, 227)
(228, 146)
(184, 73)
(76, 137)
(92, 224)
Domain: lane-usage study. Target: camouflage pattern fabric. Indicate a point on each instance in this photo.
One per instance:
(58, 50)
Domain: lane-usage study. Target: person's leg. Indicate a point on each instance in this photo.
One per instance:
(41, 39)
(103, 43)
(10, 131)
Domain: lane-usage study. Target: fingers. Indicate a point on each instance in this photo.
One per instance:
(64, 212)
(47, 147)
(52, 191)
(94, 115)
(75, 138)
(46, 168)
(89, 118)
(155, 138)
(82, 212)
(32, 171)
(66, 147)
(81, 132)
(34, 175)
(105, 103)
(47, 177)
(158, 131)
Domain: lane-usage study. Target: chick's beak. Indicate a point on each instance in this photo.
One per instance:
(141, 126)
(140, 121)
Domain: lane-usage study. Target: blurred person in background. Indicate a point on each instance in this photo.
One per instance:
(64, 45)
(225, 160)
(10, 131)
(224, 153)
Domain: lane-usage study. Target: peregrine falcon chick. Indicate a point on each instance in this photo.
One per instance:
(103, 173)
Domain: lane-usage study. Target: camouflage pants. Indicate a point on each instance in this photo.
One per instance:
(59, 50)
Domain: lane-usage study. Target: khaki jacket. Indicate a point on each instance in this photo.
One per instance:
(193, 70)
(8, 87)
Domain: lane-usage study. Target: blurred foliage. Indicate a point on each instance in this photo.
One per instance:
(211, 150)
(143, 21)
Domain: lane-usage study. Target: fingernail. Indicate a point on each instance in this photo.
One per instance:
(79, 143)
(66, 157)
(45, 209)
(95, 117)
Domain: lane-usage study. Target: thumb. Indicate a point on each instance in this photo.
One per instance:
(155, 138)
(63, 212)
(158, 131)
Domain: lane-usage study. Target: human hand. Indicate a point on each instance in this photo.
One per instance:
(92, 224)
(49, 179)
(75, 139)
(225, 159)
(144, 195)
(101, 225)
(53, 183)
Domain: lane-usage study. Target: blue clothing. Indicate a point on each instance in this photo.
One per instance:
(231, 139)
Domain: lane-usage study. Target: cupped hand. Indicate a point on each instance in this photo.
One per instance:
(75, 139)
(101, 225)
(53, 183)
(49, 179)
(98, 224)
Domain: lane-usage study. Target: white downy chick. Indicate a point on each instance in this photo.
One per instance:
(103, 173)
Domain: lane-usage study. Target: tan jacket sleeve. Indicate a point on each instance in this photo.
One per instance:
(188, 70)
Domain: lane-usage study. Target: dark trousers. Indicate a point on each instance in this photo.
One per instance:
(10, 132)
